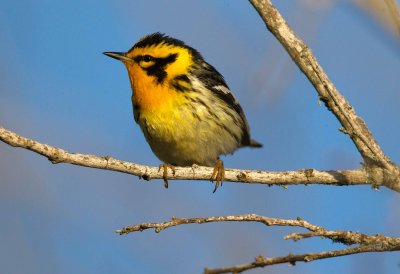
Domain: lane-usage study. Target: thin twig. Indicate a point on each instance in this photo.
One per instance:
(305, 177)
(365, 242)
(345, 237)
(291, 259)
(379, 167)
(235, 218)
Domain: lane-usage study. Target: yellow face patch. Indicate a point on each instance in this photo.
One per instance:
(179, 66)
(151, 70)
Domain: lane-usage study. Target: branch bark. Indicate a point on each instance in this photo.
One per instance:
(365, 242)
(261, 261)
(380, 169)
(305, 177)
(394, 13)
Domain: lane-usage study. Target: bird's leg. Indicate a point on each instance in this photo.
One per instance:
(165, 172)
(218, 174)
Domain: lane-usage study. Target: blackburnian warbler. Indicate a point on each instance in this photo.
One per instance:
(183, 105)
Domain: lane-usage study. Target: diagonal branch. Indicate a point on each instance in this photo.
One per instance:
(378, 164)
(365, 242)
(336, 103)
(394, 13)
(306, 177)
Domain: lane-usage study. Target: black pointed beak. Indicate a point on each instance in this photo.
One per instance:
(117, 55)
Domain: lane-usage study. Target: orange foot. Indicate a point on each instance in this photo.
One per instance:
(165, 172)
(218, 174)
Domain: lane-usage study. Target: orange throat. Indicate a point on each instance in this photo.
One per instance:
(147, 94)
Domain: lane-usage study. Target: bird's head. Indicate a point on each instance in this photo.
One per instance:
(159, 57)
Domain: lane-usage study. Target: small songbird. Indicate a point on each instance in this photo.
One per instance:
(183, 105)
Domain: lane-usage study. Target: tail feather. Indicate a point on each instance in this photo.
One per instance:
(254, 143)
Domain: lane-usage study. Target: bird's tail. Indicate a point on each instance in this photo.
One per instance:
(254, 143)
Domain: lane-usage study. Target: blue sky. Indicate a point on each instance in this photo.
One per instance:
(57, 88)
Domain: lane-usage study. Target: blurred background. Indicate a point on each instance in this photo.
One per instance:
(56, 87)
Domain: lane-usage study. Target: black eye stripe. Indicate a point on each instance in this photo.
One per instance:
(157, 69)
(146, 58)
(161, 61)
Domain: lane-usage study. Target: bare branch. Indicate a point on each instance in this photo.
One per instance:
(378, 163)
(261, 261)
(345, 237)
(235, 218)
(367, 243)
(305, 177)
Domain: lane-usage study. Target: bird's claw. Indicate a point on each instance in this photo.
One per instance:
(165, 172)
(218, 174)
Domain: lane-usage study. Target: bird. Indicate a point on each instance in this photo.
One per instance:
(183, 105)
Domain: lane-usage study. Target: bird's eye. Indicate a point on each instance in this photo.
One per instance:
(147, 58)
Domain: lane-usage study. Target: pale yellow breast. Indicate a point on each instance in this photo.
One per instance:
(184, 135)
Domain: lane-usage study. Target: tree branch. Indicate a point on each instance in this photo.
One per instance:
(305, 177)
(261, 261)
(235, 218)
(365, 242)
(394, 13)
(379, 167)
